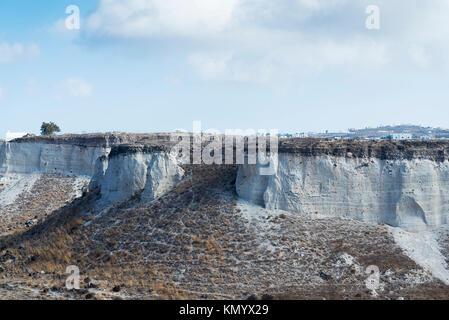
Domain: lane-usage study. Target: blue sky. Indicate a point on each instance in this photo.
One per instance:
(158, 65)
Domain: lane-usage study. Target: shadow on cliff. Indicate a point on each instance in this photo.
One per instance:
(132, 234)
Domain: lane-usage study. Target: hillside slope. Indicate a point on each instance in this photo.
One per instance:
(201, 241)
(198, 239)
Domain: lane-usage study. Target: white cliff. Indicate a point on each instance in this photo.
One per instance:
(41, 157)
(118, 174)
(408, 193)
(405, 185)
(123, 175)
(22, 163)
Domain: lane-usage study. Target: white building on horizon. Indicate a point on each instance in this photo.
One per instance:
(14, 135)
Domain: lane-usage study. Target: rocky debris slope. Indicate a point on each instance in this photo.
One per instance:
(200, 241)
(28, 199)
(425, 249)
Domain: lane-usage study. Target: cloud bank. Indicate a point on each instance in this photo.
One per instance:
(263, 40)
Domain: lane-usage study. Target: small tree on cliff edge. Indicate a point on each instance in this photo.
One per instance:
(49, 128)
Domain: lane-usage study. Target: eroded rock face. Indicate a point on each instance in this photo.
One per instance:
(120, 165)
(412, 194)
(122, 175)
(32, 157)
(72, 154)
(2, 153)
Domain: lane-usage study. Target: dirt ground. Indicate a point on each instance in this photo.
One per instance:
(197, 242)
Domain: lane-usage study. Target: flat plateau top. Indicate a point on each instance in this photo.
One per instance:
(437, 150)
(360, 148)
(98, 139)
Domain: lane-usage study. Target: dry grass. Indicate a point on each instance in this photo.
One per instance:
(193, 244)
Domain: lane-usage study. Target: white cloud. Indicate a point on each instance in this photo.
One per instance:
(419, 56)
(289, 57)
(319, 4)
(73, 87)
(1, 94)
(210, 66)
(60, 30)
(78, 87)
(264, 40)
(147, 18)
(12, 52)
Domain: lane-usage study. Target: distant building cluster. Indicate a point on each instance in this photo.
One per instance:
(399, 132)
(293, 135)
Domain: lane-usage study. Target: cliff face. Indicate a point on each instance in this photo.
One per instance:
(67, 154)
(39, 157)
(2, 154)
(401, 183)
(121, 164)
(409, 193)
(126, 172)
